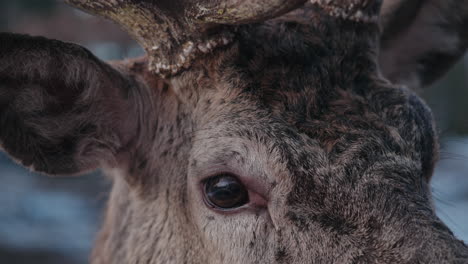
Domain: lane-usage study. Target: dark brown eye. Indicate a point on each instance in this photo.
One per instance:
(225, 192)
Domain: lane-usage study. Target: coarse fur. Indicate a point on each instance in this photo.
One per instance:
(301, 112)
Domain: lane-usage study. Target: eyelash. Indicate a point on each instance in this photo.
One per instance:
(255, 201)
(240, 192)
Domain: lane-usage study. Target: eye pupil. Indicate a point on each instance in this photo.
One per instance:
(225, 192)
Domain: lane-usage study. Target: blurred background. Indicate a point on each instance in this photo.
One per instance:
(55, 220)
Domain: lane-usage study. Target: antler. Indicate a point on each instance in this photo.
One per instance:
(175, 32)
(351, 27)
(356, 10)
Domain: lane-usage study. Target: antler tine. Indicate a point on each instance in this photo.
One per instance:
(176, 32)
(241, 12)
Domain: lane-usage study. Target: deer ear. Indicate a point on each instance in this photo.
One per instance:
(422, 39)
(62, 111)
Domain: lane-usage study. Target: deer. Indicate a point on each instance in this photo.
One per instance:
(261, 131)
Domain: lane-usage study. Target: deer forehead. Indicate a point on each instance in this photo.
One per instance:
(284, 109)
(263, 131)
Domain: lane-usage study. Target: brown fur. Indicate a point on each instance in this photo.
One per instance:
(301, 110)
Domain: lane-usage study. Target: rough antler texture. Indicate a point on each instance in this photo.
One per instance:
(174, 33)
(356, 10)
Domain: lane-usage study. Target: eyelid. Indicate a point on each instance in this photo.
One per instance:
(256, 185)
(256, 201)
(258, 196)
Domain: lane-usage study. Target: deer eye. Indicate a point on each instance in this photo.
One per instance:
(225, 192)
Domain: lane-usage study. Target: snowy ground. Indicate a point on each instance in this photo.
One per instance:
(450, 186)
(57, 219)
(50, 220)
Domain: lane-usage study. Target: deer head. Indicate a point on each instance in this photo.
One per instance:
(247, 135)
